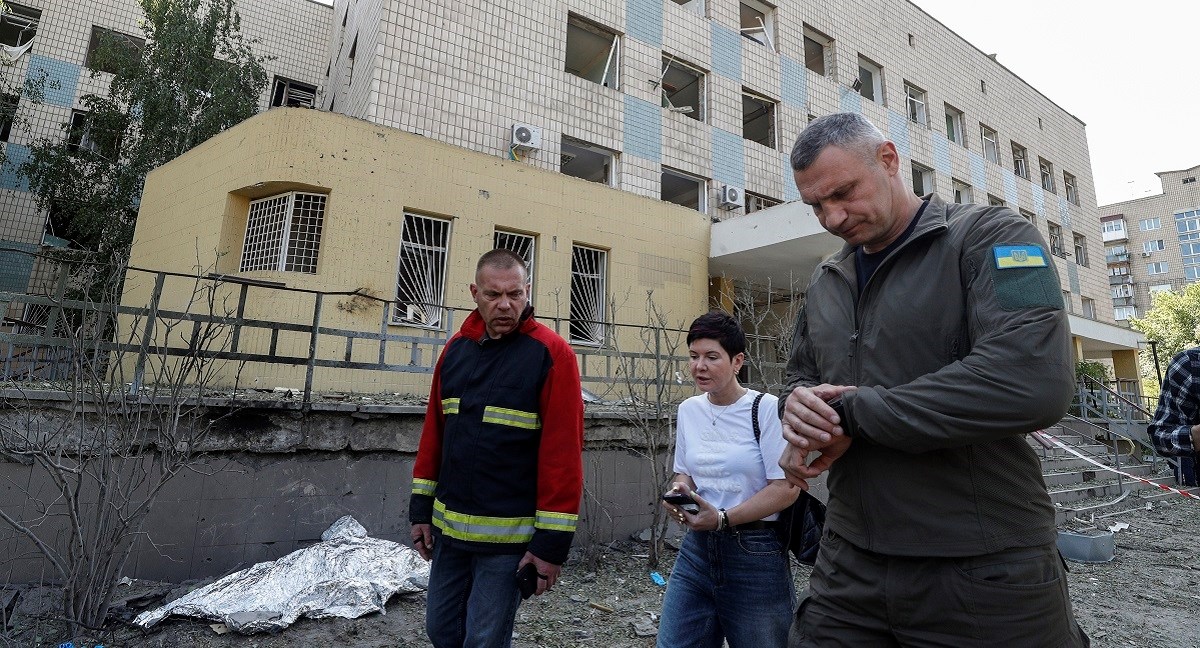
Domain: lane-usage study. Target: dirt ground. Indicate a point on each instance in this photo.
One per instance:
(1147, 597)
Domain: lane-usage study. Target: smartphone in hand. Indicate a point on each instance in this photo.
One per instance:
(527, 580)
(683, 501)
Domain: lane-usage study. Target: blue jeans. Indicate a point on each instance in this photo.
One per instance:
(728, 586)
(472, 599)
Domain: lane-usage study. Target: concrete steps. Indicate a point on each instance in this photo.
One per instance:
(1080, 489)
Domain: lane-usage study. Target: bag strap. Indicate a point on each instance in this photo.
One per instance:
(754, 415)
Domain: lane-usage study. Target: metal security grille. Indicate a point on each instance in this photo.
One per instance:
(523, 245)
(284, 233)
(304, 232)
(421, 276)
(588, 290)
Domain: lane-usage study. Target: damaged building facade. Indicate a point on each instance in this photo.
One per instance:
(52, 42)
(633, 151)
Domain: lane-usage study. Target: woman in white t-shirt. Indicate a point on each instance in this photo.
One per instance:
(731, 581)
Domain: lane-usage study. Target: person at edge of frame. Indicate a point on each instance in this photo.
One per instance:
(927, 349)
(1176, 423)
(499, 471)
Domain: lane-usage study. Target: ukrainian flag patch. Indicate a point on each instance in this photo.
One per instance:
(1019, 256)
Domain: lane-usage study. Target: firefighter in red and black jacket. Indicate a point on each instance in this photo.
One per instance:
(499, 471)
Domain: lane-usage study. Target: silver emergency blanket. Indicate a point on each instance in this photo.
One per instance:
(346, 575)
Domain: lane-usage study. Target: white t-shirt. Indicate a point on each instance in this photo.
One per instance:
(722, 457)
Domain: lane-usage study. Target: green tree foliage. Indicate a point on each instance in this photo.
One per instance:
(1173, 322)
(195, 77)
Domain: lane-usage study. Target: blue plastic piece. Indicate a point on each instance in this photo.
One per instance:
(658, 579)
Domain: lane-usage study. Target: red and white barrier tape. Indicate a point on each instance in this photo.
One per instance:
(1049, 438)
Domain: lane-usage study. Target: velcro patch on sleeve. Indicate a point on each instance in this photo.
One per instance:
(1019, 256)
(1023, 278)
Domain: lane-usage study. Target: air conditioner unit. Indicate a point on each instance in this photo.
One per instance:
(1145, 255)
(731, 197)
(526, 137)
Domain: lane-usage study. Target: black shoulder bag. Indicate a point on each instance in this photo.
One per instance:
(801, 523)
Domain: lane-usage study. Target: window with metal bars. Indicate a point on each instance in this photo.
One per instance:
(421, 273)
(284, 233)
(588, 291)
(523, 245)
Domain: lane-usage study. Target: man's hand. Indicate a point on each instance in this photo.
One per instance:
(795, 461)
(422, 539)
(547, 573)
(808, 422)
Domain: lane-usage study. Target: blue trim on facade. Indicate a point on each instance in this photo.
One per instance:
(941, 154)
(15, 267)
(793, 83)
(10, 178)
(644, 20)
(1039, 199)
(978, 171)
(850, 101)
(790, 192)
(726, 52)
(728, 158)
(1072, 275)
(1010, 189)
(1064, 211)
(643, 129)
(60, 79)
(898, 132)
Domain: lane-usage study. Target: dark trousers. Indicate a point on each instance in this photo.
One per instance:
(1015, 598)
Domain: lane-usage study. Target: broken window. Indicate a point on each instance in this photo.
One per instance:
(915, 98)
(1047, 170)
(922, 179)
(991, 146)
(523, 245)
(593, 52)
(1056, 239)
(962, 192)
(83, 134)
(1089, 307)
(683, 189)
(756, 202)
(18, 26)
(1029, 216)
(758, 119)
(682, 88)
(283, 233)
(758, 22)
(111, 51)
(870, 79)
(1071, 186)
(954, 126)
(816, 46)
(995, 201)
(293, 94)
(588, 294)
(695, 6)
(585, 161)
(1020, 160)
(421, 272)
(1081, 255)
(8, 113)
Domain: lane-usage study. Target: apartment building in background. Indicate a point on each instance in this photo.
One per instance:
(692, 102)
(1152, 243)
(52, 42)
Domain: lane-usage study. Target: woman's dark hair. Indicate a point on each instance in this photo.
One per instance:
(720, 326)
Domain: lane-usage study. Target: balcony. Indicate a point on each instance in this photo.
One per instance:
(1120, 280)
(1122, 257)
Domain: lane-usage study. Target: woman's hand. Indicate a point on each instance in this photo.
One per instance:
(706, 519)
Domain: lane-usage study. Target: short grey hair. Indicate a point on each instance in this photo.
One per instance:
(848, 131)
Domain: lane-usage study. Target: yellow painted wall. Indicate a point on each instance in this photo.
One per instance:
(193, 216)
